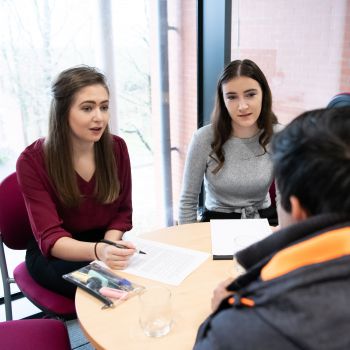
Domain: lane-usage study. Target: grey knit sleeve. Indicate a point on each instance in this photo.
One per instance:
(195, 166)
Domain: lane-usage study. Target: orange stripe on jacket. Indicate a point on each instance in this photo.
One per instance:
(243, 301)
(327, 246)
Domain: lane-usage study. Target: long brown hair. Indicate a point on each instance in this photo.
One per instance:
(58, 146)
(221, 120)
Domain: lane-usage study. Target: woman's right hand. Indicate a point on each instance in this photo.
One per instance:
(113, 257)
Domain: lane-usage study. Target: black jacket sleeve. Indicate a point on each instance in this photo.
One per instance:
(239, 329)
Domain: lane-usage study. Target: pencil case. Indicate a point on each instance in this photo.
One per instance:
(103, 283)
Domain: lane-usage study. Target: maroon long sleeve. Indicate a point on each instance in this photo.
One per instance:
(50, 220)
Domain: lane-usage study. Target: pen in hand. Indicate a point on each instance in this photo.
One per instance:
(119, 245)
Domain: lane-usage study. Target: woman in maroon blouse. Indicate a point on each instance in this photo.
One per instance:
(76, 183)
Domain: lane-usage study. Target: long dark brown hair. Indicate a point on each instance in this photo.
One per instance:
(221, 120)
(58, 146)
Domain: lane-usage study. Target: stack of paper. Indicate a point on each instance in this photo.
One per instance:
(163, 262)
(230, 236)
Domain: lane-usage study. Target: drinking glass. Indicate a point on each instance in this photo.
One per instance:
(155, 311)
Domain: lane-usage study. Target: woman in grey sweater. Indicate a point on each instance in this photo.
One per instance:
(231, 154)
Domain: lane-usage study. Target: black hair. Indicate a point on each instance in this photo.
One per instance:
(311, 159)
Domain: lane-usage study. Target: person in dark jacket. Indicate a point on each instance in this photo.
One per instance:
(340, 100)
(295, 289)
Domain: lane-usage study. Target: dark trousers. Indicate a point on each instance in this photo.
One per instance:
(269, 213)
(48, 271)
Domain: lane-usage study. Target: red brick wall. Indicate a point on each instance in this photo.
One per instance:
(300, 47)
(345, 57)
(183, 79)
(182, 38)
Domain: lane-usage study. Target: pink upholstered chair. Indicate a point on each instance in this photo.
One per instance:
(15, 232)
(34, 335)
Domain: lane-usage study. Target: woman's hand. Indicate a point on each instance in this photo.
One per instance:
(220, 293)
(113, 257)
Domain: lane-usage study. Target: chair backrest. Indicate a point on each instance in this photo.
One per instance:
(272, 191)
(15, 228)
(38, 334)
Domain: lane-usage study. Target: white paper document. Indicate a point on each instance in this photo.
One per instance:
(163, 262)
(230, 236)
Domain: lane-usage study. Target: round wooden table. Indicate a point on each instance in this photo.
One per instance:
(118, 328)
